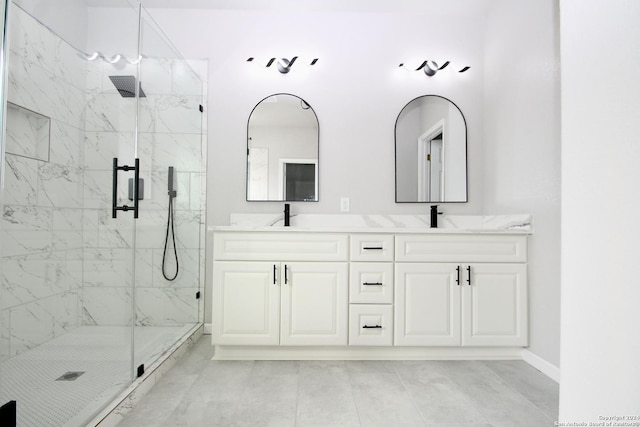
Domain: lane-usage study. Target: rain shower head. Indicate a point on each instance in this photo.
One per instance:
(126, 85)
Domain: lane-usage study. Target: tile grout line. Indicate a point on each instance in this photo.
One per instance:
(508, 384)
(413, 401)
(353, 394)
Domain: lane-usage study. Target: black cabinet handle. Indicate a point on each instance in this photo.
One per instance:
(372, 284)
(469, 275)
(286, 281)
(274, 274)
(458, 275)
(373, 248)
(372, 327)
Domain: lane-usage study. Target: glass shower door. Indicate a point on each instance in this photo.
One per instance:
(66, 265)
(168, 256)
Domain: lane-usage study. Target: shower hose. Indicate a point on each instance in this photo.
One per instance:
(166, 243)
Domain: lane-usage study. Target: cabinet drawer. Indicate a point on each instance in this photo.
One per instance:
(371, 282)
(461, 248)
(276, 246)
(371, 247)
(370, 324)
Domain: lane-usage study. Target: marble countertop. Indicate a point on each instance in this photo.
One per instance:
(447, 224)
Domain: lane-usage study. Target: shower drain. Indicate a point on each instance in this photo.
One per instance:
(70, 376)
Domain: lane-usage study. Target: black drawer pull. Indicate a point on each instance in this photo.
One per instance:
(372, 327)
(372, 284)
(373, 248)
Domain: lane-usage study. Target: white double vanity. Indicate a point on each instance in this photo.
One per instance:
(371, 287)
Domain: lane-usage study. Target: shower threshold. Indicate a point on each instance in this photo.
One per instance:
(100, 353)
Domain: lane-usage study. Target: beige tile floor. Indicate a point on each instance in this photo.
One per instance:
(201, 392)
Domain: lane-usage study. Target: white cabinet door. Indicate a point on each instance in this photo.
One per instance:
(314, 303)
(246, 303)
(494, 305)
(427, 304)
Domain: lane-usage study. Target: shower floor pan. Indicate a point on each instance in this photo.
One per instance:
(66, 381)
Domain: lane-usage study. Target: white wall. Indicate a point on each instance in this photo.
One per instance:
(522, 147)
(356, 89)
(600, 176)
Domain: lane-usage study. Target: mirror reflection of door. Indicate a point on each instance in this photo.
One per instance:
(299, 181)
(435, 169)
(431, 164)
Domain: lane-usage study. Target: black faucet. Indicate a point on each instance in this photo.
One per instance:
(434, 216)
(287, 215)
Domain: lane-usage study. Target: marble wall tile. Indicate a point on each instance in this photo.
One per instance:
(25, 230)
(188, 223)
(67, 229)
(66, 145)
(196, 196)
(151, 229)
(144, 268)
(68, 64)
(90, 227)
(107, 267)
(109, 112)
(94, 77)
(21, 180)
(42, 320)
(115, 232)
(106, 306)
(97, 189)
(180, 150)
(32, 277)
(74, 113)
(30, 39)
(166, 306)
(30, 86)
(102, 147)
(59, 186)
(188, 273)
(5, 343)
(170, 114)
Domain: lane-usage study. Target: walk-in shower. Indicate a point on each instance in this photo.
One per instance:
(85, 307)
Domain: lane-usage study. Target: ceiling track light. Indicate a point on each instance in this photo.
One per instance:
(430, 68)
(283, 64)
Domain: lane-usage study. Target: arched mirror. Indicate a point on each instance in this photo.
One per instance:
(282, 150)
(431, 152)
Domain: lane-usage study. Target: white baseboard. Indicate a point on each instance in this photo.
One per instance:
(208, 327)
(365, 353)
(542, 365)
